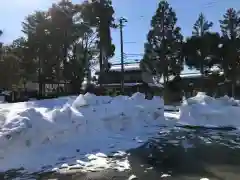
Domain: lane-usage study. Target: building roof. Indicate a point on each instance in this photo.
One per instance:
(127, 67)
(125, 84)
(188, 75)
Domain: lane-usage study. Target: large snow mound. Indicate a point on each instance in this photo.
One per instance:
(41, 133)
(206, 111)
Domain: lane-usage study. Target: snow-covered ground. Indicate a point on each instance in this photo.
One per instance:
(74, 132)
(206, 111)
(37, 134)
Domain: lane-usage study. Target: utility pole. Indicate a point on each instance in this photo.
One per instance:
(40, 86)
(121, 21)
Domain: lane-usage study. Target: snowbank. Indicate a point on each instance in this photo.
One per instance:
(206, 111)
(41, 133)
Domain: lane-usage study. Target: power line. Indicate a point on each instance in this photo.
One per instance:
(134, 54)
(133, 42)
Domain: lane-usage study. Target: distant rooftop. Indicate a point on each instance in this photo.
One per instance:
(188, 75)
(127, 67)
(136, 66)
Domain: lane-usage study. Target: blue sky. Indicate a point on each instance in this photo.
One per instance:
(138, 13)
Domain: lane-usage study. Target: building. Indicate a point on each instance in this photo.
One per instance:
(134, 79)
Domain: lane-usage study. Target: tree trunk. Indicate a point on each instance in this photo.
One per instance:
(40, 85)
(233, 82)
(87, 65)
(202, 76)
(40, 88)
(165, 90)
(235, 56)
(233, 89)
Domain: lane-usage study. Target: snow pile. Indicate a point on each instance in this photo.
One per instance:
(206, 111)
(41, 133)
(98, 162)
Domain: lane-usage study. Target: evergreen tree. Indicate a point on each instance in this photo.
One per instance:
(36, 27)
(200, 50)
(1, 44)
(230, 27)
(9, 66)
(100, 14)
(56, 37)
(202, 53)
(163, 55)
(201, 26)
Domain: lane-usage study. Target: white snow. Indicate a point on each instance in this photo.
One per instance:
(80, 132)
(206, 111)
(132, 177)
(165, 175)
(171, 108)
(97, 162)
(59, 131)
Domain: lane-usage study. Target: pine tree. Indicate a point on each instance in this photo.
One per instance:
(163, 55)
(100, 14)
(230, 27)
(201, 26)
(200, 48)
(1, 44)
(36, 28)
(202, 53)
